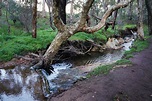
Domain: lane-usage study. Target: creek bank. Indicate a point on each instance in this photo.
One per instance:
(131, 83)
(64, 76)
(61, 80)
(68, 73)
(67, 51)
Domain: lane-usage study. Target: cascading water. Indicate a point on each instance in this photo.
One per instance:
(21, 83)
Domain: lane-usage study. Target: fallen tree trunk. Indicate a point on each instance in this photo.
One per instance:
(64, 31)
(54, 47)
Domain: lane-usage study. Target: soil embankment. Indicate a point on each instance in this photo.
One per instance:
(132, 83)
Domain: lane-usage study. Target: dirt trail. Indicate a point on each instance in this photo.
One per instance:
(132, 83)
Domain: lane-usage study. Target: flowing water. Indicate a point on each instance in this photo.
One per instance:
(22, 84)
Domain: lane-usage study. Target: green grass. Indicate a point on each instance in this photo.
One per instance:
(128, 26)
(123, 62)
(106, 68)
(100, 70)
(138, 46)
(98, 36)
(19, 44)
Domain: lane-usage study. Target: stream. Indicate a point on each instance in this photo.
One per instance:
(22, 84)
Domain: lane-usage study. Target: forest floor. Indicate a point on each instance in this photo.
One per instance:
(133, 83)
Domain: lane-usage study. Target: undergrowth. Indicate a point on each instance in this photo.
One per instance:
(11, 45)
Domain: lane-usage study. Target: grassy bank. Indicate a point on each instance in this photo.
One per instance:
(138, 46)
(106, 68)
(18, 42)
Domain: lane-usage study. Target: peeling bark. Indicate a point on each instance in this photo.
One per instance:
(54, 47)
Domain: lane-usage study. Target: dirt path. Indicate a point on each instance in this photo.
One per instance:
(122, 84)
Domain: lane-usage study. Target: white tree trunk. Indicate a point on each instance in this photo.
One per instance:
(64, 31)
(55, 45)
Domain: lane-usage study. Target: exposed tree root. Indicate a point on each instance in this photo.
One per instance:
(68, 50)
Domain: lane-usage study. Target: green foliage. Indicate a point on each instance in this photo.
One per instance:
(96, 36)
(110, 31)
(80, 36)
(128, 26)
(138, 46)
(146, 31)
(123, 61)
(19, 44)
(101, 70)
(99, 35)
(3, 29)
(106, 68)
(43, 23)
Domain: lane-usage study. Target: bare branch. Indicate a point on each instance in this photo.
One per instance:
(96, 17)
(84, 13)
(105, 16)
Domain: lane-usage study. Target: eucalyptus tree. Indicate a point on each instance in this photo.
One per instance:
(64, 31)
